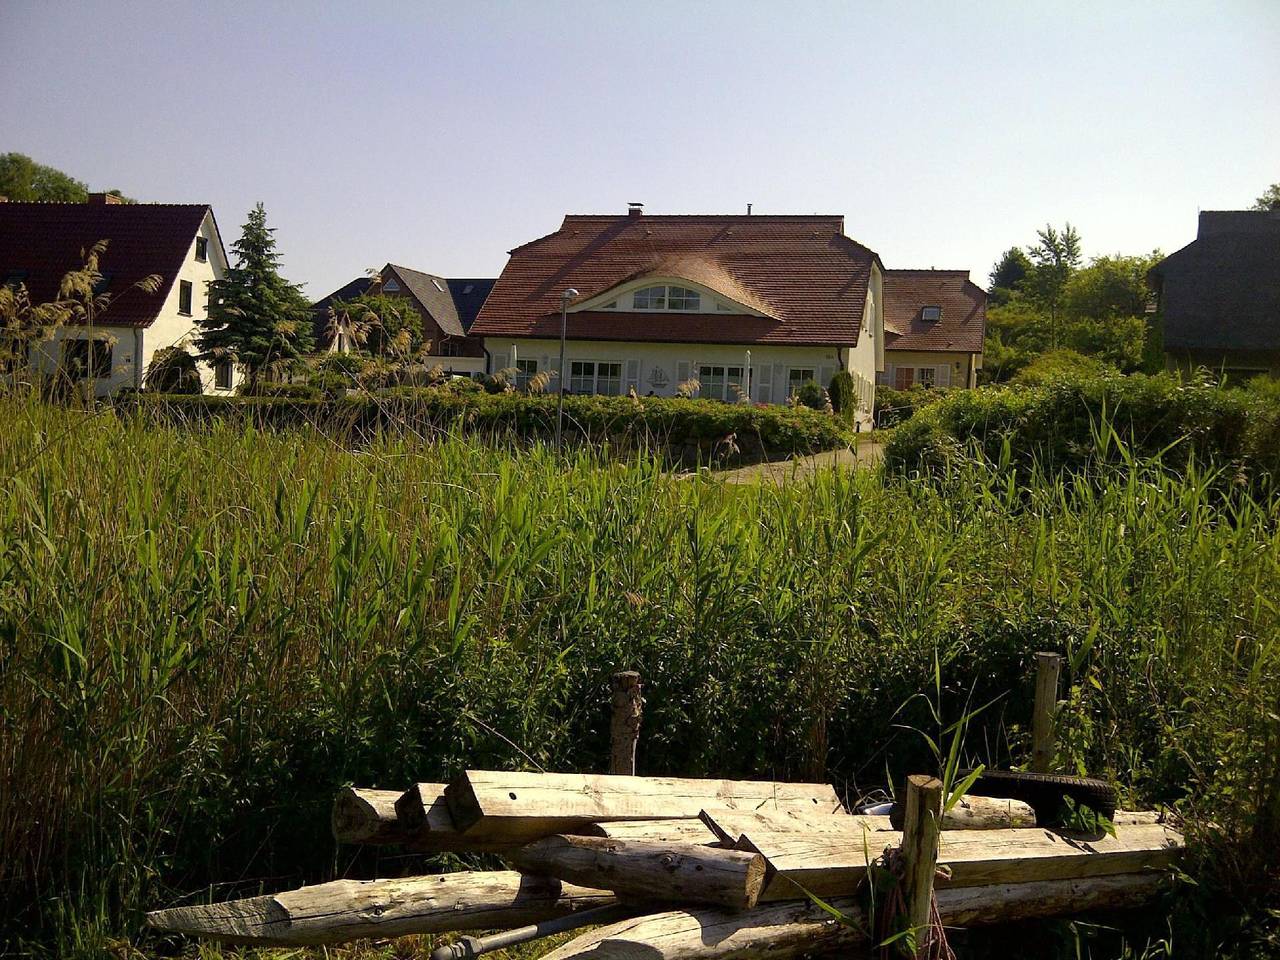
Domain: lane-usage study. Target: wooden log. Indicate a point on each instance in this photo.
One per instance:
(1043, 736)
(649, 869)
(799, 928)
(351, 909)
(624, 725)
(1137, 816)
(921, 826)
(828, 867)
(527, 805)
(979, 813)
(730, 825)
(367, 816)
(682, 830)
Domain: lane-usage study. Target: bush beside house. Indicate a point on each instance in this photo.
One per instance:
(688, 431)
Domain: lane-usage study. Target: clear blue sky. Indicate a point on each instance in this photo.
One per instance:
(440, 135)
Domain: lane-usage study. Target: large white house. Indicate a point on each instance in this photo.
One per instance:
(41, 242)
(743, 305)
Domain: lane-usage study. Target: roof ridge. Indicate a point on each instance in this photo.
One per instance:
(706, 216)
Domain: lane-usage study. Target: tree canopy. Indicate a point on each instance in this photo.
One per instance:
(1270, 199)
(256, 317)
(22, 179)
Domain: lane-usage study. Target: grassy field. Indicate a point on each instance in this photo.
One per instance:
(203, 633)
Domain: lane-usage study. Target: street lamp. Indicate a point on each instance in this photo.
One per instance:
(564, 327)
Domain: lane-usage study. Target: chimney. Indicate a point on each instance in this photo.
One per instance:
(102, 199)
(635, 209)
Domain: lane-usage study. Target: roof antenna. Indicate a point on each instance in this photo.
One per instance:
(748, 209)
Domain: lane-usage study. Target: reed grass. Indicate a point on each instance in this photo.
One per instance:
(203, 634)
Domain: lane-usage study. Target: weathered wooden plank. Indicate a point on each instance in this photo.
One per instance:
(362, 815)
(682, 830)
(649, 869)
(505, 805)
(988, 813)
(798, 928)
(827, 866)
(351, 909)
(730, 825)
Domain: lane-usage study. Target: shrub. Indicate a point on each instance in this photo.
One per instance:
(844, 396)
(172, 370)
(1057, 364)
(895, 406)
(811, 394)
(282, 391)
(690, 431)
(1071, 420)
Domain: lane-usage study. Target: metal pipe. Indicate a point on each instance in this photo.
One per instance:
(468, 947)
(564, 326)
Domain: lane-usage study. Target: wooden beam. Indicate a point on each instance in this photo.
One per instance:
(799, 928)
(921, 826)
(511, 806)
(367, 816)
(351, 909)
(649, 869)
(1043, 738)
(624, 724)
(827, 867)
(731, 825)
(682, 830)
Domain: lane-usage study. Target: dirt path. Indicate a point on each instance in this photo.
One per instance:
(868, 452)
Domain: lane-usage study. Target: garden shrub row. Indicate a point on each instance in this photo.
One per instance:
(690, 431)
(1072, 421)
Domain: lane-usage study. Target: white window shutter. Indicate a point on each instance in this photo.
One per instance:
(824, 376)
(499, 362)
(682, 372)
(633, 376)
(779, 384)
(944, 375)
(763, 382)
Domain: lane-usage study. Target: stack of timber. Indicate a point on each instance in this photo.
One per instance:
(679, 868)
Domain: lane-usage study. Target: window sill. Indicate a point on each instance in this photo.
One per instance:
(185, 313)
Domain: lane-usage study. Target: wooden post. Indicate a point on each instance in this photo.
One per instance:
(1042, 733)
(920, 826)
(624, 728)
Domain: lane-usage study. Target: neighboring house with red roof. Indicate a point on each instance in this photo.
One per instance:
(41, 242)
(448, 308)
(934, 323)
(1219, 296)
(744, 305)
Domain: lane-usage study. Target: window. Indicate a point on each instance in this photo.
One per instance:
(903, 377)
(84, 359)
(391, 286)
(926, 376)
(682, 298)
(13, 278)
(721, 383)
(184, 297)
(526, 370)
(666, 298)
(797, 376)
(222, 372)
(104, 281)
(931, 313)
(650, 298)
(202, 249)
(590, 376)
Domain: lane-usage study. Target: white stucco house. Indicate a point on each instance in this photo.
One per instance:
(744, 305)
(41, 242)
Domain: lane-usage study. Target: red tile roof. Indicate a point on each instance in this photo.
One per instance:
(40, 242)
(964, 311)
(800, 271)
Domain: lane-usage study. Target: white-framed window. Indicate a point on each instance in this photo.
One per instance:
(666, 298)
(391, 286)
(202, 249)
(907, 377)
(798, 375)
(85, 359)
(718, 382)
(184, 297)
(595, 376)
(526, 370)
(926, 376)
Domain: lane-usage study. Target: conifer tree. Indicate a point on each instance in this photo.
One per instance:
(256, 317)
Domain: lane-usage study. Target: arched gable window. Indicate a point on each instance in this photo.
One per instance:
(666, 298)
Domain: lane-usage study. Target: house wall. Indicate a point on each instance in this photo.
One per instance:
(659, 368)
(954, 369)
(1259, 361)
(125, 347)
(172, 327)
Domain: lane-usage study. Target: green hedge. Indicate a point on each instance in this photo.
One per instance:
(898, 406)
(1072, 420)
(688, 430)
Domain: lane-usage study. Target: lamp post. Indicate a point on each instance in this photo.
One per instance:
(564, 327)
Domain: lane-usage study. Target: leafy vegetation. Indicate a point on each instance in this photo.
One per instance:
(21, 178)
(256, 318)
(692, 431)
(1068, 412)
(204, 633)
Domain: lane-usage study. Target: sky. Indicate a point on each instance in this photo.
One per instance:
(441, 135)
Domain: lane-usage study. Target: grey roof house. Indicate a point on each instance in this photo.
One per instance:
(1220, 295)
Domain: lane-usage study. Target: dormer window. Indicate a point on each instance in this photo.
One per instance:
(932, 314)
(390, 286)
(666, 298)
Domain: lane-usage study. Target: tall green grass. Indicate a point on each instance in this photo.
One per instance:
(203, 633)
